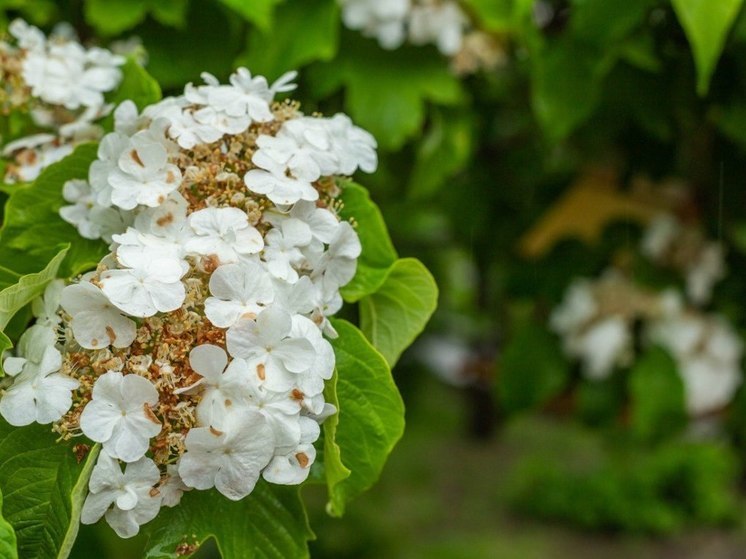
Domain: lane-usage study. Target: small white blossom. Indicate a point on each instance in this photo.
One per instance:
(336, 267)
(293, 467)
(173, 487)
(383, 19)
(96, 323)
(280, 189)
(282, 251)
(119, 415)
(230, 459)
(92, 220)
(45, 307)
(443, 24)
(223, 232)
(238, 290)
(267, 344)
(127, 499)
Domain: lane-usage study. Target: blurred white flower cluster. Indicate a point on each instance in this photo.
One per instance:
(195, 353)
(598, 319)
(61, 85)
(422, 22)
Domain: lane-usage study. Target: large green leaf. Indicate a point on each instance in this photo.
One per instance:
(396, 314)
(303, 31)
(8, 544)
(334, 470)
(270, 523)
(371, 417)
(44, 487)
(532, 368)
(33, 230)
(258, 12)
(706, 24)
(657, 396)
(387, 91)
(378, 251)
(110, 17)
(137, 85)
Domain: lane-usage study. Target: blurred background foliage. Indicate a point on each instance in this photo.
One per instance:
(509, 182)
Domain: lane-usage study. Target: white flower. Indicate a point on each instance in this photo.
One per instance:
(29, 37)
(282, 251)
(268, 346)
(39, 393)
(35, 153)
(127, 499)
(143, 174)
(45, 307)
(223, 232)
(96, 323)
(167, 221)
(660, 234)
(231, 459)
(302, 146)
(383, 19)
(280, 189)
(110, 150)
(577, 308)
(120, 415)
(92, 220)
(352, 146)
(293, 467)
(704, 273)
(152, 285)
(224, 385)
(173, 487)
(443, 24)
(601, 346)
(238, 290)
(336, 267)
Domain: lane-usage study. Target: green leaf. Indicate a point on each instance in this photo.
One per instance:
(532, 368)
(706, 25)
(8, 544)
(170, 12)
(378, 252)
(33, 230)
(111, 17)
(44, 487)
(303, 31)
(258, 12)
(270, 523)
(393, 317)
(657, 396)
(566, 86)
(28, 288)
(607, 22)
(137, 86)
(371, 416)
(334, 470)
(445, 149)
(387, 91)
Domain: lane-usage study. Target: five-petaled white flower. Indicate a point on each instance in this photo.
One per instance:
(280, 189)
(293, 466)
(120, 415)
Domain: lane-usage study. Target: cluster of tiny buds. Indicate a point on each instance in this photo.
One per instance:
(195, 353)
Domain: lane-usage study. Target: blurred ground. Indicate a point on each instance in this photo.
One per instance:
(443, 496)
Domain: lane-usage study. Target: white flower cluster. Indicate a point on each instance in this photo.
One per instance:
(195, 353)
(391, 22)
(62, 85)
(670, 243)
(597, 321)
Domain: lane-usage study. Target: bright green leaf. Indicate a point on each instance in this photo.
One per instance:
(270, 523)
(258, 12)
(392, 317)
(387, 91)
(371, 415)
(444, 150)
(28, 288)
(532, 368)
(303, 31)
(33, 230)
(334, 470)
(44, 487)
(137, 85)
(706, 24)
(8, 545)
(657, 396)
(169, 12)
(111, 17)
(378, 252)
